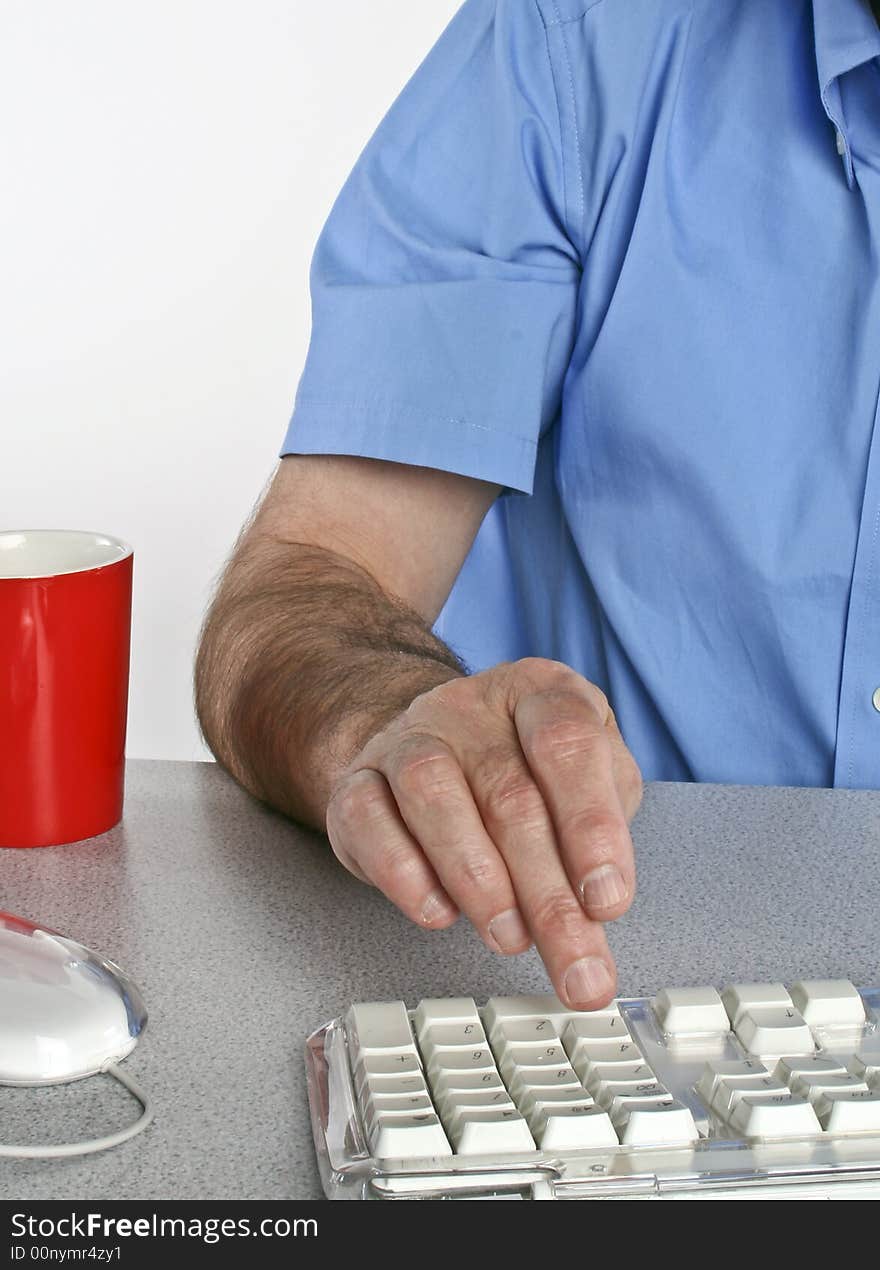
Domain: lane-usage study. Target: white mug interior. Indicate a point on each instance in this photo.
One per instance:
(46, 553)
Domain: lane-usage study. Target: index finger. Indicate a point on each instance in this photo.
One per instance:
(570, 754)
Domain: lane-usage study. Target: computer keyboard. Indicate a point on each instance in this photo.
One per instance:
(692, 1093)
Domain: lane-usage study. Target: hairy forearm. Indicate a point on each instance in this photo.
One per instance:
(302, 658)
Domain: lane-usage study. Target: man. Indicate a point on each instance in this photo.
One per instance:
(608, 268)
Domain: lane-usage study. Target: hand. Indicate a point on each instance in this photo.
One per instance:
(507, 796)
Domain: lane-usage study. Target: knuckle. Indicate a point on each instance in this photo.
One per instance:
(543, 670)
(513, 797)
(563, 740)
(423, 769)
(558, 914)
(393, 866)
(477, 872)
(602, 833)
(634, 785)
(355, 802)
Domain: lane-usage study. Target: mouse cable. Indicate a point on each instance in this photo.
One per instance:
(94, 1144)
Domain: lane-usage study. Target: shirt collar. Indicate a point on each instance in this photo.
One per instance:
(846, 34)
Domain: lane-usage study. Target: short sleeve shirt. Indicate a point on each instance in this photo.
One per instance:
(622, 258)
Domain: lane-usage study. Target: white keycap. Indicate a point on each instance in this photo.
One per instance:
(408, 1137)
(524, 1032)
(812, 1086)
(526, 1079)
(544, 1010)
(535, 1101)
(460, 1059)
(666, 1123)
(792, 1066)
(715, 1072)
(613, 1098)
(410, 1083)
(393, 1065)
(686, 1011)
(481, 1132)
(443, 1011)
(784, 1116)
(604, 1027)
(573, 1128)
(740, 997)
(586, 1052)
(592, 1056)
(774, 1032)
(380, 1105)
(514, 1056)
(730, 1092)
(446, 1082)
(867, 1069)
(376, 1026)
(477, 1099)
(621, 1074)
(451, 1036)
(828, 1002)
(849, 1111)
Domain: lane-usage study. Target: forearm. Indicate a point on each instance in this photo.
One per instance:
(303, 657)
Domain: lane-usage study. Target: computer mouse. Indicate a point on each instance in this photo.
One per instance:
(65, 1012)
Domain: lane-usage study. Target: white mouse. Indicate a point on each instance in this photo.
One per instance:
(65, 1012)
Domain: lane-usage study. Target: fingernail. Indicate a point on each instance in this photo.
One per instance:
(508, 930)
(587, 979)
(435, 908)
(603, 888)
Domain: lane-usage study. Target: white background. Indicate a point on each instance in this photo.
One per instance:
(165, 170)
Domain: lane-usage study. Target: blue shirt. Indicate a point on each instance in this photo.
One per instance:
(622, 258)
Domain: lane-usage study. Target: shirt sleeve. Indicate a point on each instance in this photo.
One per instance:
(444, 282)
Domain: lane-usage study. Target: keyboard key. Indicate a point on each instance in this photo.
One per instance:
(408, 1137)
(379, 1106)
(730, 1092)
(602, 1026)
(687, 1011)
(828, 1002)
(619, 1074)
(459, 1058)
(477, 1131)
(774, 1032)
(540, 1098)
(612, 1098)
(393, 1064)
(740, 997)
(379, 1026)
(544, 1011)
(513, 1056)
(792, 1066)
(813, 1085)
(715, 1072)
(478, 1099)
(572, 1128)
(867, 1069)
(664, 1123)
(380, 1083)
(458, 1016)
(452, 1035)
(849, 1111)
(782, 1116)
(526, 1079)
(446, 1082)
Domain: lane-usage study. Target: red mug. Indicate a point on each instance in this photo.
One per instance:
(65, 634)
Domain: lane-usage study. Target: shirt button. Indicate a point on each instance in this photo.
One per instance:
(875, 700)
(841, 143)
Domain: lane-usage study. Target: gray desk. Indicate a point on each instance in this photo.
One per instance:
(245, 935)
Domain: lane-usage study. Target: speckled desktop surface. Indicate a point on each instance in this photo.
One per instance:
(245, 935)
